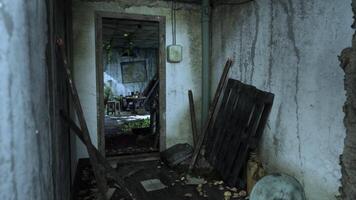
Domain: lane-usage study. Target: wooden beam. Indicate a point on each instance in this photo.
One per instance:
(193, 117)
(109, 170)
(98, 167)
(211, 113)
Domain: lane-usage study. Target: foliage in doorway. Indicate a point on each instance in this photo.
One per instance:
(107, 46)
(108, 94)
(142, 123)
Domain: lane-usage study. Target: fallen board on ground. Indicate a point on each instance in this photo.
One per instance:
(177, 154)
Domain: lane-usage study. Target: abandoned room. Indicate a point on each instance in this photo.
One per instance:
(177, 100)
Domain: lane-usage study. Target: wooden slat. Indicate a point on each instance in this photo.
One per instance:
(221, 128)
(242, 112)
(235, 133)
(213, 137)
(98, 163)
(98, 171)
(218, 92)
(193, 117)
(242, 151)
(236, 128)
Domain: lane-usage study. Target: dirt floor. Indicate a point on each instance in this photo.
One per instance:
(177, 185)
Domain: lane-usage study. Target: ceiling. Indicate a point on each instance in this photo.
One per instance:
(123, 33)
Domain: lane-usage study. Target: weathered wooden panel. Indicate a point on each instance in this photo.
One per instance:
(236, 128)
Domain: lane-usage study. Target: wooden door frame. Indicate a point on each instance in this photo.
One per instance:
(100, 72)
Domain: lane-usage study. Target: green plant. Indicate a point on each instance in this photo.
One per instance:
(108, 94)
(142, 123)
(107, 46)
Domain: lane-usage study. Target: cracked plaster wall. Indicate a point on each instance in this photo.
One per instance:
(179, 77)
(290, 48)
(348, 64)
(25, 135)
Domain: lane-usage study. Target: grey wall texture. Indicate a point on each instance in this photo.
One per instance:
(113, 72)
(25, 136)
(34, 151)
(290, 48)
(348, 64)
(179, 77)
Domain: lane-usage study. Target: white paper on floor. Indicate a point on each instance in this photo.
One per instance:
(153, 185)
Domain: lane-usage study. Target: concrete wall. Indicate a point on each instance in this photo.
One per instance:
(179, 77)
(25, 136)
(348, 161)
(290, 48)
(113, 72)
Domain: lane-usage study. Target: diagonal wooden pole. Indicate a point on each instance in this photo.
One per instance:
(211, 113)
(109, 170)
(193, 118)
(99, 168)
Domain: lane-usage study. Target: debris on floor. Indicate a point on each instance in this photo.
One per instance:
(234, 127)
(177, 154)
(190, 180)
(153, 185)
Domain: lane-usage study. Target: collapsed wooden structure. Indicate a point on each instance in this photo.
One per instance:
(237, 118)
(236, 129)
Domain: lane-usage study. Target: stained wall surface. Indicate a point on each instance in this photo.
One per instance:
(113, 71)
(290, 48)
(179, 77)
(25, 134)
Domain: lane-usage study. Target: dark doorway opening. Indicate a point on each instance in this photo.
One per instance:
(130, 71)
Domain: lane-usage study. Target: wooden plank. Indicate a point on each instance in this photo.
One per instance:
(98, 168)
(238, 125)
(233, 130)
(234, 133)
(240, 155)
(193, 117)
(220, 128)
(218, 92)
(109, 170)
(98, 171)
(220, 118)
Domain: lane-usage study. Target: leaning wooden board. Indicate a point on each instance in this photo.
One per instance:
(101, 167)
(212, 112)
(237, 127)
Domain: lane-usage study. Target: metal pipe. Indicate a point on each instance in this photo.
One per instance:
(205, 58)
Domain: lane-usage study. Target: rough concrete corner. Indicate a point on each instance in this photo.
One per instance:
(348, 163)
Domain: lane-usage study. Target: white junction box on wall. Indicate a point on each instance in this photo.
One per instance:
(174, 53)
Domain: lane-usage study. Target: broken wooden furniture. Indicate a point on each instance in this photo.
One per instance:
(236, 129)
(234, 126)
(111, 107)
(132, 103)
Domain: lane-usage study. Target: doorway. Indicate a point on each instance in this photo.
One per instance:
(130, 59)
